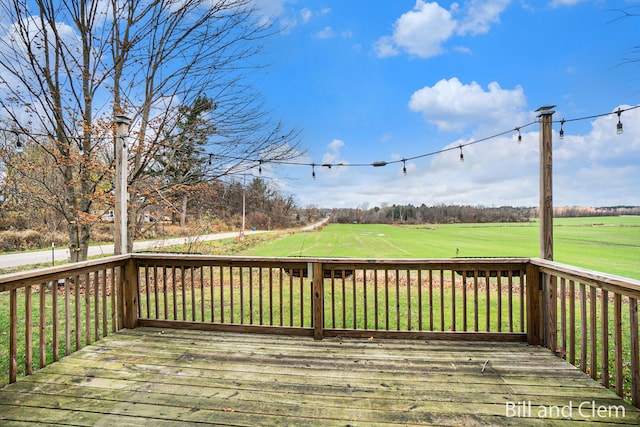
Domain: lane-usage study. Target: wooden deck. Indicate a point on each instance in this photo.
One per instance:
(163, 377)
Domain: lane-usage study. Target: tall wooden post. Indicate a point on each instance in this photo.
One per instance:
(535, 316)
(128, 295)
(546, 224)
(120, 219)
(546, 182)
(318, 299)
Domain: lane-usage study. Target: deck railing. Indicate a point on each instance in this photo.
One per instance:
(461, 299)
(50, 313)
(591, 320)
(586, 317)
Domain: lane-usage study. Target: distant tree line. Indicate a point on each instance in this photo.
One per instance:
(451, 214)
(265, 207)
(574, 212)
(218, 203)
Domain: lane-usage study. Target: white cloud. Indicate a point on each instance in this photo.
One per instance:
(419, 32)
(480, 15)
(385, 47)
(334, 157)
(326, 33)
(423, 30)
(462, 49)
(336, 145)
(306, 14)
(271, 9)
(560, 3)
(451, 105)
(386, 137)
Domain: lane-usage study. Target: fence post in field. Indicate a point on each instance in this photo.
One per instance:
(318, 300)
(534, 305)
(129, 289)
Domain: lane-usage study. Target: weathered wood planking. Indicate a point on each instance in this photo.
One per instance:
(163, 377)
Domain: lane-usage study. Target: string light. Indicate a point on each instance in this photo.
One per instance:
(444, 150)
(619, 130)
(313, 171)
(404, 167)
(619, 125)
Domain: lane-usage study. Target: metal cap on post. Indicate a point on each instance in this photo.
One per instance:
(120, 148)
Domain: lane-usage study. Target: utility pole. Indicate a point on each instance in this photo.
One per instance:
(120, 148)
(244, 202)
(546, 182)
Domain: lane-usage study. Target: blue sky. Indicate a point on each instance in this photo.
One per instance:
(369, 81)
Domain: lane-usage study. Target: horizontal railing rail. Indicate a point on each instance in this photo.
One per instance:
(591, 320)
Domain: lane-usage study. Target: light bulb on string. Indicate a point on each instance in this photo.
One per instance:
(519, 136)
(461, 155)
(404, 167)
(619, 125)
(19, 146)
(260, 167)
(561, 130)
(210, 159)
(313, 171)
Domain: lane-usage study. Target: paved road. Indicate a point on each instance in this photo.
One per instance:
(41, 257)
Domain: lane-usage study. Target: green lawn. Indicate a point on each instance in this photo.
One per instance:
(610, 244)
(607, 244)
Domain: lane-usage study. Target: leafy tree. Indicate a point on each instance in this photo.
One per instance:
(67, 68)
(185, 165)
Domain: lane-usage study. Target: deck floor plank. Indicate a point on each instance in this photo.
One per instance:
(164, 377)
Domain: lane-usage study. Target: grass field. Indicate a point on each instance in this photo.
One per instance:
(607, 244)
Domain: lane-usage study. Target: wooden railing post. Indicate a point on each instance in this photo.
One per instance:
(13, 335)
(129, 287)
(550, 311)
(634, 350)
(318, 300)
(534, 305)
